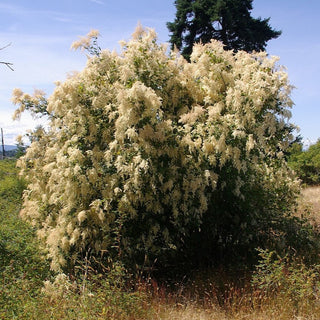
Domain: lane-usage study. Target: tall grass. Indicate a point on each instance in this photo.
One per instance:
(22, 267)
(311, 197)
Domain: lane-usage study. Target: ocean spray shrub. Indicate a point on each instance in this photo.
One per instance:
(143, 147)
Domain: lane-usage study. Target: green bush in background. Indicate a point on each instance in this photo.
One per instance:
(306, 163)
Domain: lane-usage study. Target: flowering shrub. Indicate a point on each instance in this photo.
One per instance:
(143, 147)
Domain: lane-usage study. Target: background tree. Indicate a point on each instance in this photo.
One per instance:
(306, 163)
(228, 21)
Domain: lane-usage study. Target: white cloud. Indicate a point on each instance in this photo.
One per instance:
(98, 2)
(62, 19)
(38, 62)
(11, 129)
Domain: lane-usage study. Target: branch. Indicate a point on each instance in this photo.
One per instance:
(8, 64)
(6, 46)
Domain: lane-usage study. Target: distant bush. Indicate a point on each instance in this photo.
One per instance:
(306, 163)
(149, 158)
(8, 154)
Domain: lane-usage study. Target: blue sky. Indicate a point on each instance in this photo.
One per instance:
(41, 33)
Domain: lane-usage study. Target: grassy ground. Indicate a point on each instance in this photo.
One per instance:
(28, 290)
(22, 267)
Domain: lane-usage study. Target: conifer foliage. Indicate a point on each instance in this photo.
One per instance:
(228, 21)
(145, 152)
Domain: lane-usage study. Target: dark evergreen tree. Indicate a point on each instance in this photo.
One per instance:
(228, 21)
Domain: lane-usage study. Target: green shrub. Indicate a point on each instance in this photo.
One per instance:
(148, 156)
(287, 278)
(306, 163)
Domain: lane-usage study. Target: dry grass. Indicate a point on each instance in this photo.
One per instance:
(242, 304)
(187, 312)
(198, 301)
(311, 198)
(244, 308)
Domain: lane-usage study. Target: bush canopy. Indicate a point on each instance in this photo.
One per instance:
(148, 156)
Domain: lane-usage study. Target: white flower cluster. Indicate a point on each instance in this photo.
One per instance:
(137, 141)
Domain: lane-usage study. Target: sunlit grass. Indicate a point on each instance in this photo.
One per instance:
(311, 196)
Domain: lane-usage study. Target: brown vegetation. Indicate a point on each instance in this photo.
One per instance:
(311, 198)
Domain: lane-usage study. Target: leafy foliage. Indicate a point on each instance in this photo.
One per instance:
(287, 277)
(148, 156)
(306, 163)
(228, 21)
